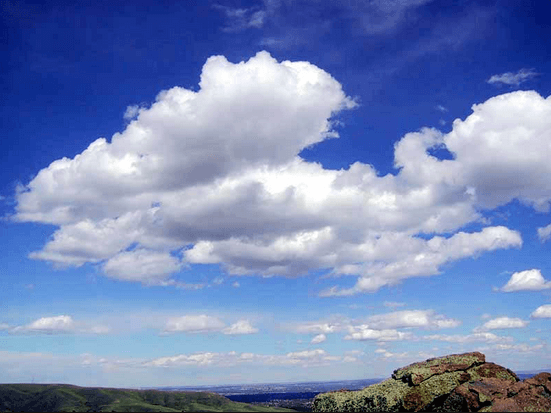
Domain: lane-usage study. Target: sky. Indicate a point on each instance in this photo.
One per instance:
(225, 192)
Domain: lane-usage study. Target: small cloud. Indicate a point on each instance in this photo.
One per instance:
(470, 338)
(502, 322)
(529, 280)
(4, 326)
(241, 327)
(193, 324)
(131, 112)
(320, 338)
(442, 122)
(441, 108)
(241, 19)
(318, 328)
(393, 304)
(412, 318)
(218, 280)
(544, 233)
(543, 311)
(513, 79)
(236, 284)
(59, 325)
(29, 286)
(364, 333)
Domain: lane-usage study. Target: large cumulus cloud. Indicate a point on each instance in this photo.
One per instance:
(214, 176)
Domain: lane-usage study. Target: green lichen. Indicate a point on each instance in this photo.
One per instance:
(384, 396)
(505, 376)
(484, 398)
(430, 389)
(422, 371)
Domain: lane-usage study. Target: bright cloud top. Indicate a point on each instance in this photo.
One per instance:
(215, 177)
(529, 280)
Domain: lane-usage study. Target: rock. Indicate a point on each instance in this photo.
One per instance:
(458, 382)
(418, 372)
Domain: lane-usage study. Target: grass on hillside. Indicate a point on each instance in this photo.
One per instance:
(67, 398)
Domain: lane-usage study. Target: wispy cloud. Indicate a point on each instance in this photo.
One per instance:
(469, 338)
(513, 79)
(544, 233)
(62, 324)
(203, 323)
(242, 19)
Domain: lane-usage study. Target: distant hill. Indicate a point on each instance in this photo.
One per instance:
(68, 398)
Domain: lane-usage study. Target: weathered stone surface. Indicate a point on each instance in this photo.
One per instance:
(417, 372)
(492, 371)
(456, 383)
(502, 395)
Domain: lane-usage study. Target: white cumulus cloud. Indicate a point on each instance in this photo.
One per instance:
(529, 280)
(502, 322)
(320, 338)
(214, 176)
(543, 311)
(411, 318)
(240, 327)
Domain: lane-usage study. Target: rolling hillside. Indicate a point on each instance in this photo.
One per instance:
(68, 398)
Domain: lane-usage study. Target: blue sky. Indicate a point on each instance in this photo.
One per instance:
(240, 192)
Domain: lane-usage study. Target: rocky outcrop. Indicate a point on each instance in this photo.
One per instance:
(458, 382)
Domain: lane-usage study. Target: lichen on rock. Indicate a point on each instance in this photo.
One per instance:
(457, 382)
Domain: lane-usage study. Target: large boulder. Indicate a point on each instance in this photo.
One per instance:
(498, 395)
(458, 382)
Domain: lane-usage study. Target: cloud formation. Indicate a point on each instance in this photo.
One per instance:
(412, 318)
(203, 323)
(240, 327)
(502, 322)
(469, 338)
(529, 280)
(241, 19)
(193, 324)
(513, 79)
(543, 311)
(305, 358)
(320, 338)
(544, 233)
(62, 324)
(364, 333)
(215, 177)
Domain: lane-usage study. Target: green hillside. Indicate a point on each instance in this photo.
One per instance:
(67, 398)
